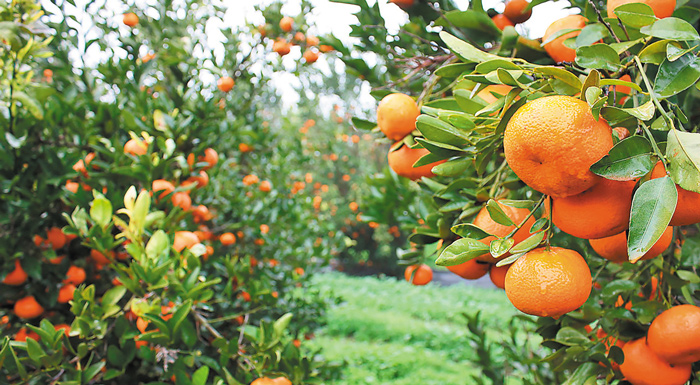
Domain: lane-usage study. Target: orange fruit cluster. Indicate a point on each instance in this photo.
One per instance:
(514, 13)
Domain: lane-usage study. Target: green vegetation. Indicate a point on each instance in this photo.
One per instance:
(391, 333)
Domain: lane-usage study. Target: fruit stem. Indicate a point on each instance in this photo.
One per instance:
(522, 223)
(549, 228)
(651, 92)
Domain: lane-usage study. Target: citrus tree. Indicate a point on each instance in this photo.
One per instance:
(567, 166)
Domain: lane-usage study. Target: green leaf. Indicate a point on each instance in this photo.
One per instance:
(500, 246)
(618, 287)
(683, 153)
(439, 131)
(113, 295)
(598, 56)
(157, 245)
(655, 53)
(469, 230)
(34, 350)
(454, 70)
(644, 112)
(688, 276)
(591, 34)
(629, 159)
(570, 336)
(101, 211)
(464, 50)
(585, 374)
(28, 102)
(460, 251)
(453, 168)
(673, 77)
(362, 124)
(561, 74)
(635, 15)
(671, 28)
(497, 214)
(200, 376)
(530, 243)
(115, 356)
(476, 26)
(281, 324)
(92, 371)
(180, 315)
(653, 205)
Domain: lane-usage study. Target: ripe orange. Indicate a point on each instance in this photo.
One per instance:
(64, 327)
(81, 165)
(135, 147)
(263, 381)
(202, 180)
(75, 275)
(402, 160)
(24, 333)
(310, 56)
(265, 186)
(688, 206)
(396, 115)
(211, 157)
(422, 276)
(182, 200)
(548, 282)
(28, 307)
(515, 11)
(65, 293)
(184, 239)
(250, 179)
(281, 381)
(487, 93)
(661, 8)
(674, 336)
(483, 221)
(243, 147)
(281, 47)
(643, 367)
(100, 258)
(502, 21)
(498, 275)
(403, 4)
(556, 48)
(471, 269)
(312, 41)
(130, 19)
(551, 142)
(601, 211)
(326, 48)
(614, 248)
(227, 239)
(354, 206)
(299, 37)
(286, 24)
(201, 213)
(264, 229)
(164, 186)
(16, 277)
(56, 238)
(225, 84)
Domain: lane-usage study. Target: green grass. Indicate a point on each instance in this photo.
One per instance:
(392, 333)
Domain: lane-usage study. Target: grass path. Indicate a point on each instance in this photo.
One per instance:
(389, 332)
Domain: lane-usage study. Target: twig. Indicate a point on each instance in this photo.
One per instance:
(204, 321)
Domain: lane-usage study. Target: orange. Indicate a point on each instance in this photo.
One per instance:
(16, 277)
(515, 11)
(75, 275)
(396, 115)
(184, 240)
(243, 147)
(227, 239)
(403, 159)
(601, 211)
(281, 47)
(556, 48)
(299, 271)
(65, 293)
(72, 186)
(548, 282)
(281, 381)
(182, 200)
(353, 206)
(135, 147)
(56, 238)
(614, 248)
(483, 221)
(81, 165)
(551, 142)
(201, 213)
(502, 21)
(674, 336)
(64, 327)
(23, 334)
(487, 93)
(250, 179)
(130, 19)
(403, 4)
(643, 367)
(202, 180)
(471, 269)
(164, 186)
(286, 24)
(299, 37)
(310, 56)
(622, 132)
(263, 381)
(211, 157)
(423, 274)
(142, 324)
(312, 40)
(498, 275)
(264, 229)
(100, 258)
(265, 186)
(28, 307)
(225, 84)
(688, 206)
(326, 48)
(661, 8)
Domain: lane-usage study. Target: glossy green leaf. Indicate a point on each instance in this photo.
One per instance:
(439, 131)
(460, 251)
(591, 34)
(629, 159)
(561, 74)
(454, 167)
(498, 247)
(674, 77)
(362, 124)
(200, 376)
(465, 50)
(635, 15)
(158, 243)
(683, 153)
(101, 211)
(655, 52)
(671, 28)
(497, 214)
(653, 205)
(529, 243)
(598, 56)
(469, 230)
